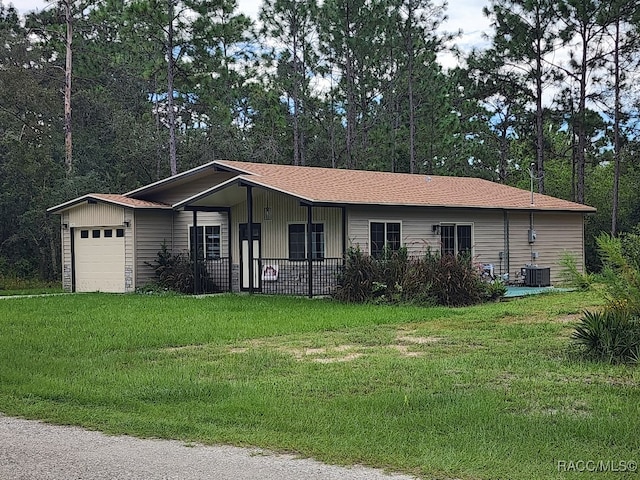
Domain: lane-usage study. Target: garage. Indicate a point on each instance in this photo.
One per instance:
(99, 259)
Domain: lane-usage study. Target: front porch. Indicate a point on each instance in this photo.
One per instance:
(271, 243)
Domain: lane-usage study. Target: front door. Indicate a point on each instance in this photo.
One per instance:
(244, 256)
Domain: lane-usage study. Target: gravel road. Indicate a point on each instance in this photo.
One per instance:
(31, 450)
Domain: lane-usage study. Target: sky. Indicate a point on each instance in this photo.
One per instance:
(465, 15)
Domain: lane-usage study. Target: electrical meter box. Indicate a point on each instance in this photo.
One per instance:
(532, 235)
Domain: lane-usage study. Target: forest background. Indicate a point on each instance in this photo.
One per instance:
(109, 95)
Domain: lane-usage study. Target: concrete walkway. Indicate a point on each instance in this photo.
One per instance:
(31, 450)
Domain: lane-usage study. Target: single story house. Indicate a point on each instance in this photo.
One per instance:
(285, 229)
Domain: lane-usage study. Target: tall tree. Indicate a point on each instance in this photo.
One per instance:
(525, 35)
(582, 32)
(417, 22)
(621, 18)
(355, 41)
(291, 24)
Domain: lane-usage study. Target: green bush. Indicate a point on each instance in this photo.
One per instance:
(175, 272)
(570, 274)
(395, 278)
(612, 335)
(494, 291)
(621, 272)
(456, 282)
(356, 282)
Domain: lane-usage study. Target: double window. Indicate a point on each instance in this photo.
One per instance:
(384, 236)
(209, 246)
(298, 241)
(455, 239)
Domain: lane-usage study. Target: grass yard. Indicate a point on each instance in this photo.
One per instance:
(488, 392)
(11, 286)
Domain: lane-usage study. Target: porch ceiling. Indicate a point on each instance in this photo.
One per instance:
(226, 197)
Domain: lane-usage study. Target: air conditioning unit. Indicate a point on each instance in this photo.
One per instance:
(536, 276)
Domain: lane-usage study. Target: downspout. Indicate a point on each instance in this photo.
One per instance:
(530, 242)
(309, 247)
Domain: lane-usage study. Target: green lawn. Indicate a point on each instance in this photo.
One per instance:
(486, 392)
(10, 286)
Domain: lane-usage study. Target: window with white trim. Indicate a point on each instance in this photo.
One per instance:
(455, 239)
(298, 241)
(384, 236)
(209, 242)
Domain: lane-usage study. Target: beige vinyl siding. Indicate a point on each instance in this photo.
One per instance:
(557, 233)
(183, 220)
(275, 232)
(96, 215)
(417, 228)
(152, 228)
(188, 187)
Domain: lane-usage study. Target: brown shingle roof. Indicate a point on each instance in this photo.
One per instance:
(110, 198)
(128, 201)
(328, 185)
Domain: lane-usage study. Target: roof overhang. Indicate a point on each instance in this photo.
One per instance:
(112, 200)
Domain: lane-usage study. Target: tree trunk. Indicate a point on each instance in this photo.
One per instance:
(412, 110)
(351, 96)
(296, 94)
(539, 111)
(68, 145)
(616, 130)
(582, 127)
(171, 117)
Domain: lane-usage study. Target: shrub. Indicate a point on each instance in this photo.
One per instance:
(570, 274)
(175, 272)
(612, 335)
(456, 282)
(395, 278)
(494, 290)
(621, 272)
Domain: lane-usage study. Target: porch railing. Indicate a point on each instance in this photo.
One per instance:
(217, 278)
(282, 276)
(275, 276)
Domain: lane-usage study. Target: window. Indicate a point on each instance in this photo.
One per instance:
(120, 232)
(108, 233)
(384, 235)
(455, 239)
(298, 241)
(209, 246)
(95, 233)
(84, 233)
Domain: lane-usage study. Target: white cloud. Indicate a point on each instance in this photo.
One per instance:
(24, 6)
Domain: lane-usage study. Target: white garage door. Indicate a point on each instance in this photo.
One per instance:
(99, 259)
